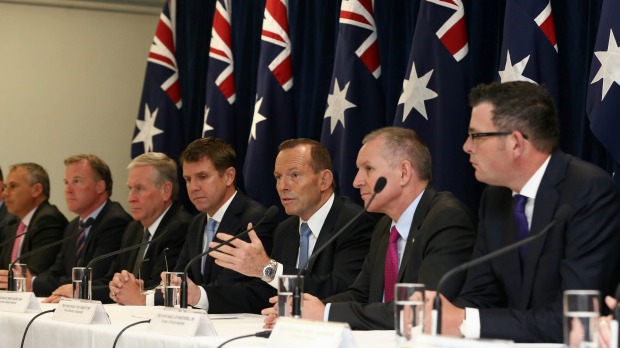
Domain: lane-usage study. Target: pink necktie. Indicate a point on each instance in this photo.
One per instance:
(391, 265)
(18, 241)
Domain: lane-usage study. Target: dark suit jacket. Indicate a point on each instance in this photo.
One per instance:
(441, 237)
(333, 269)
(578, 253)
(154, 261)
(6, 220)
(49, 224)
(104, 236)
(240, 212)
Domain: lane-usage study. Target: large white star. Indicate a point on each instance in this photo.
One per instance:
(415, 93)
(147, 129)
(206, 127)
(610, 65)
(337, 103)
(256, 119)
(514, 72)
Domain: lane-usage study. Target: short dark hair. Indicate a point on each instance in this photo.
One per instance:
(404, 143)
(319, 156)
(35, 175)
(220, 153)
(522, 106)
(101, 169)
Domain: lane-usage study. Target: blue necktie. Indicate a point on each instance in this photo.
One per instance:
(207, 238)
(81, 242)
(304, 244)
(521, 223)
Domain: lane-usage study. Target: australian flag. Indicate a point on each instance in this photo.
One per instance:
(219, 117)
(529, 46)
(356, 103)
(159, 126)
(274, 116)
(604, 84)
(434, 95)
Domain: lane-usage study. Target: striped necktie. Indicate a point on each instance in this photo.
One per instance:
(81, 242)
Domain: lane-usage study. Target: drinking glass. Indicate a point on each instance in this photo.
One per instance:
(581, 318)
(286, 285)
(409, 312)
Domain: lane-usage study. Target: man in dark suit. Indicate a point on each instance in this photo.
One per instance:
(88, 187)
(305, 183)
(513, 146)
(209, 173)
(153, 191)
(26, 194)
(431, 232)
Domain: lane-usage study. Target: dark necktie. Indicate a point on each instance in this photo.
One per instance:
(304, 244)
(391, 265)
(140, 257)
(81, 243)
(521, 223)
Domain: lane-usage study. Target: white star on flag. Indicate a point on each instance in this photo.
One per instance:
(256, 119)
(415, 93)
(337, 103)
(610, 65)
(514, 72)
(147, 129)
(206, 127)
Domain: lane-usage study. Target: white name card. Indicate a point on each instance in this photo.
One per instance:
(182, 322)
(81, 312)
(310, 334)
(428, 341)
(18, 302)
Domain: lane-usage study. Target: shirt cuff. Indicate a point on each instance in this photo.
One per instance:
(203, 302)
(150, 298)
(326, 313)
(279, 271)
(471, 326)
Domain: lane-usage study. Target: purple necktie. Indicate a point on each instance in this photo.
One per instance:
(521, 223)
(81, 242)
(391, 265)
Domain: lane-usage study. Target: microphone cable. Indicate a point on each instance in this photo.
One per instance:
(30, 323)
(264, 334)
(127, 327)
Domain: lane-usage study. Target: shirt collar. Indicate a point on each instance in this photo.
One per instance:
(530, 188)
(219, 214)
(317, 220)
(28, 217)
(95, 212)
(155, 225)
(403, 225)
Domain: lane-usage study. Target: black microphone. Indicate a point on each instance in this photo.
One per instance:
(11, 277)
(85, 278)
(563, 213)
(379, 186)
(269, 214)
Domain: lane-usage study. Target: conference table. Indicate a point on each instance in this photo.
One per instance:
(45, 331)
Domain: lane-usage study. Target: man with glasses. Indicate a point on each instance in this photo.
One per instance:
(513, 147)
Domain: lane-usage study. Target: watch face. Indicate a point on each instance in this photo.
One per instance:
(269, 272)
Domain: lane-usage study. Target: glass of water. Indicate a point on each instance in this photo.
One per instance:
(286, 285)
(81, 290)
(19, 276)
(409, 313)
(172, 289)
(581, 315)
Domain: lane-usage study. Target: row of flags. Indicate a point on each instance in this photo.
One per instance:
(434, 91)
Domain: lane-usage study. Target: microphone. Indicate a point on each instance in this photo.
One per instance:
(379, 186)
(562, 214)
(11, 277)
(84, 293)
(269, 214)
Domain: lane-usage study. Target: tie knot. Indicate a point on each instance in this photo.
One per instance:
(211, 224)
(394, 235)
(304, 230)
(146, 235)
(520, 201)
(81, 224)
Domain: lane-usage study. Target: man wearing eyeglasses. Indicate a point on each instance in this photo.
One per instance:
(513, 147)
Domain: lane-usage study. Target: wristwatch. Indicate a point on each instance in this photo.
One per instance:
(269, 271)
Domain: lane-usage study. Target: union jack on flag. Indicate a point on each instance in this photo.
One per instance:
(159, 124)
(434, 95)
(219, 118)
(529, 46)
(355, 104)
(274, 115)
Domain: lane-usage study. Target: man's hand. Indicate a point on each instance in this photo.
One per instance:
(451, 316)
(4, 279)
(125, 289)
(28, 280)
(314, 309)
(62, 291)
(271, 313)
(242, 257)
(604, 328)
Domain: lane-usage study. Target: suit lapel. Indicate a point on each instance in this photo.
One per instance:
(378, 272)
(327, 230)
